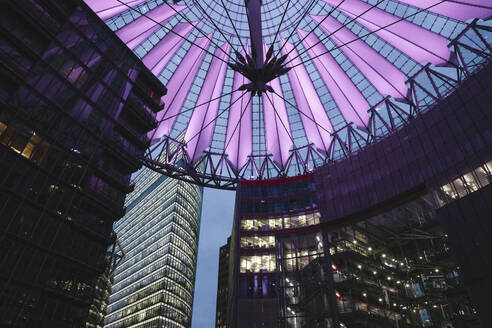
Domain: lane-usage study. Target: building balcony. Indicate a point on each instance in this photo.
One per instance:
(133, 133)
(123, 149)
(139, 110)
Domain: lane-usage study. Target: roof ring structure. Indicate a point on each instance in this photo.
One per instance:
(260, 89)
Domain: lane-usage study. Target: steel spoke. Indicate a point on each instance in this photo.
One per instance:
(295, 106)
(297, 25)
(237, 124)
(369, 33)
(317, 25)
(198, 29)
(171, 30)
(233, 26)
(338, 29)
(281, 21)
(215, 25)
(281, 121)
(196, 106)
(216, 117)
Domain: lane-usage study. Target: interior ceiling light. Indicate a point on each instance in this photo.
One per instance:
(261, 89)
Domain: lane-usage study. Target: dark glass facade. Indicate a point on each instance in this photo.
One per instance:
(264, 211)
(446, 152)
(223, 286)
(154, 285)
(397, 235)
(393, 269)
(75, 108)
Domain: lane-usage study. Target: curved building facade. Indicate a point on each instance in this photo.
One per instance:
(153, 286)
(75, 108)
(446, 153)
(394, 236)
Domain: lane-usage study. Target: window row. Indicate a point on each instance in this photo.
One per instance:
(465, 184)
(258, 263)
(265, 224)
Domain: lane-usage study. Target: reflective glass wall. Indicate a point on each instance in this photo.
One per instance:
(265, 211)
(75, 107)
(159, 234)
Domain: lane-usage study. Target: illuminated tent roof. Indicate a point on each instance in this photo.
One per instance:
(263, 89)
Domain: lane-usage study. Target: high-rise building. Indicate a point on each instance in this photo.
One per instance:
(265, 211)
(222, 286)
(154, 284)
(75, 108)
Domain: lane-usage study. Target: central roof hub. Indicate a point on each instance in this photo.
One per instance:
(272, 68)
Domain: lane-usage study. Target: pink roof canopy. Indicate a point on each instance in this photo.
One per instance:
(350, 68)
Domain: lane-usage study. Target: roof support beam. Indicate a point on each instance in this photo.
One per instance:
(460, 10)
(141, 28)
(383, 75)
(206, 113)
(160, 55)
(348, 98)
(179, 85)
(416, 42)
(308, 102)
(254, 20)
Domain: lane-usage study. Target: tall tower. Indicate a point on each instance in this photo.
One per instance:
(223, 286)
(75, 109)
(159, 234)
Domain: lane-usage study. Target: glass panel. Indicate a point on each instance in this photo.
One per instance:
(3, 127)
(258, 242)
(258, 263)
(31, 145)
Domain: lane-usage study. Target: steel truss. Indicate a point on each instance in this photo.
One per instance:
(427, 87)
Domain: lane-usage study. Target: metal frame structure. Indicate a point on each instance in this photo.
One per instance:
(384, 118)
(319, 111)
(405, 246)
(75, 107)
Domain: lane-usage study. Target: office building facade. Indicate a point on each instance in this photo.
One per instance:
(75, 108)
(153, 286)
(395, 236)
(222, 286)
(264, 211)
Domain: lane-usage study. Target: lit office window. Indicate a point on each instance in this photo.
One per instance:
(288, 222)
(258, 242)
(258, 263)
(464, 185)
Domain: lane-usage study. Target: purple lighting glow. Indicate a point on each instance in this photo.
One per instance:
(203, 117)
(459, 10)
(417, 42)
(278, 136)
(141, 28)
(351, 102)
(239, 133)
(383, 75)
(179, 87)
(314, 118)
(323, 79)
(161, 54)
(110, 8)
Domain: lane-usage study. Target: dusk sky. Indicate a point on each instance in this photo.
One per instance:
(216, 225)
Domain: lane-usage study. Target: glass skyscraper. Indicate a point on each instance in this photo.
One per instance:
(153, 287)
(75, 109)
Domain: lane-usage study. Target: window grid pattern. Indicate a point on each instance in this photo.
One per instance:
(227, 21)
(159, 235)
